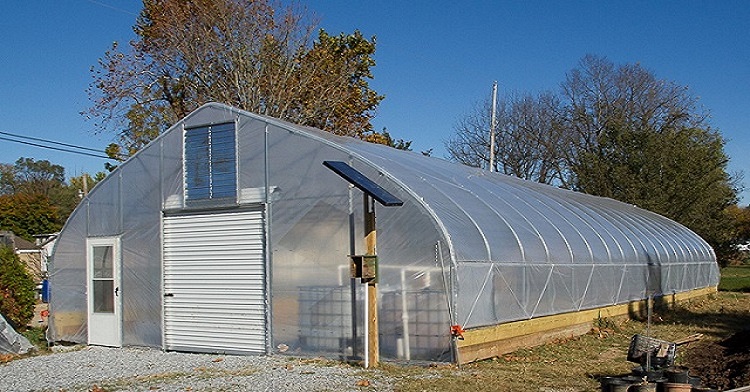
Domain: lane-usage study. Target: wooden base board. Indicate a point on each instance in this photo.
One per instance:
(69, 323)
(487, 342)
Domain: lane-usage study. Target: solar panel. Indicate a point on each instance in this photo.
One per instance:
(365, 184)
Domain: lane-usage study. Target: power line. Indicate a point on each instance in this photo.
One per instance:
(124, 11)
(50, 141)
(53, 147)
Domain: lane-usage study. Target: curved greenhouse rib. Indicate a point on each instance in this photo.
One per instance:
(531, 225)
(640, 235)
(454, 203)
(675, 236)
(658, 236)
(502, 218)
(463, 210)
(552, 224)
(575, 229)
(415, 196)
(593, 218)
(606, 213)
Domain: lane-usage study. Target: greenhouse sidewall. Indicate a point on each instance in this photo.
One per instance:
(514, 291)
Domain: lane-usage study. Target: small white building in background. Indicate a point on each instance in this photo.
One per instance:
(46, 244)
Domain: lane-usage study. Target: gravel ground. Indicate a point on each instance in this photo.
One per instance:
(100, 369)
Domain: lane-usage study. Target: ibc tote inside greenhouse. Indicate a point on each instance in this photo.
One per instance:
(228, 234)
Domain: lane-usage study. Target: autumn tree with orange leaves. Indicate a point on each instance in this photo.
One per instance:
(254, 55)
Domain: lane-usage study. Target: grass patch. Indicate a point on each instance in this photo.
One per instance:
(735, 278)
(37, 336)
(577, 363)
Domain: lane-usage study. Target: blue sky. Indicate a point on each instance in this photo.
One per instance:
(435, 60)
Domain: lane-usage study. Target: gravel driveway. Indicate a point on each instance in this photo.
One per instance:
(143, 369)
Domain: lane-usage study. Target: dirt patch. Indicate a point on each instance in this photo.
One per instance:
(724, 364)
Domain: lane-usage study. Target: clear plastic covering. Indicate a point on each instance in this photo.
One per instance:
(523, 249)
(468, 247)
(12, 342)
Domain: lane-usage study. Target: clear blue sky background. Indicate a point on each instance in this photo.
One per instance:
(435, 60)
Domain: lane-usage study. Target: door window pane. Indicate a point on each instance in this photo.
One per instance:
(104, 299)
(103, 262)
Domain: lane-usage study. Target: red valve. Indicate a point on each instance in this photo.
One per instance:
(457, 332)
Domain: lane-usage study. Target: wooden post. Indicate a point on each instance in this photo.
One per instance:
(372, 286)
(366, 266)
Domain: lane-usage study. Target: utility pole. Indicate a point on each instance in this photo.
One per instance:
(492, 126)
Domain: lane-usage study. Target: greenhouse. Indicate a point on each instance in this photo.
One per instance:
(229, 234)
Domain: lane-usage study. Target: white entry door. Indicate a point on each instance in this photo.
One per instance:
(214, 282)
(104, 294)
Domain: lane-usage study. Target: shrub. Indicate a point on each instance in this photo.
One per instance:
(17, 294)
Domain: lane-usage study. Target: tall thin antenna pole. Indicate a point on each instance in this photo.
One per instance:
(492, 126)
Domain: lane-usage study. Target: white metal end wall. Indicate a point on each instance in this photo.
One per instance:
(214, 283)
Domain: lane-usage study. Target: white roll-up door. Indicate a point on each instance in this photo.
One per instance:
(214, 283)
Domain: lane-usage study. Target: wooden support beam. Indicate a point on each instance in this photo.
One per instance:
(372, 286)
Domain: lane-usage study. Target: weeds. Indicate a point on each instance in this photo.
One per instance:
(38, 337)
(576, 364)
